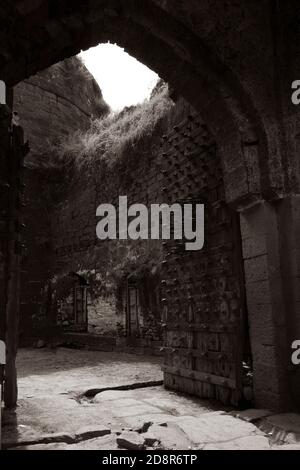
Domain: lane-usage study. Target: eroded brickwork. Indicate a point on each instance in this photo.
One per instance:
(204, 311)
(235, 62)
(50, 105)
(201, 311)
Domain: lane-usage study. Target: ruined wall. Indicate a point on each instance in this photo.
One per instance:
(235, 61)
(206, 339)
(180, 163)
(102, 316)
(51, 105)
(12, 156)
(61, 99)
(107, 264)
(217, 39)
(253, 46)
(5, 122)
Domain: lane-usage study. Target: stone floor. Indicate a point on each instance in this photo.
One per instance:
(53, 413)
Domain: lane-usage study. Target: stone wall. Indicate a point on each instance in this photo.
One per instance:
(13, 151)
(179, 163)
(102, 316)
(106, 264)
(217, 39)
(61, 100)
(235, 63)
(5, 122)
(51, 105)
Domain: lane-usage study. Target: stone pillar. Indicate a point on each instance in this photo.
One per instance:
(289, 213)
(270, 252)
(5, 121)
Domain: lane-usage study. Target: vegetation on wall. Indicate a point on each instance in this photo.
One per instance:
(105, 157)
(111, 137)
(103, 163)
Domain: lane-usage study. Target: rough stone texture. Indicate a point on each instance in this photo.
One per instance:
(5, 120)
(243, 443)
(55, 102)
(202, 55)
(181, 163)
(78, 371)
(130, 441)
(102, 316)
(251, 415)
(167, 437)
(51, 105)
(69, 374)
(284, 428)
(254, 48)
(214, 427)
(271, 301)
(178, 421)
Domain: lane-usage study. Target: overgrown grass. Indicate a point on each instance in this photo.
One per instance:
(110, 137)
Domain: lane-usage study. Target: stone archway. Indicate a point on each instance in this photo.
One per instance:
(176, 53)
(210, 54)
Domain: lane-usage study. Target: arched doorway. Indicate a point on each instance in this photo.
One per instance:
(190, 58)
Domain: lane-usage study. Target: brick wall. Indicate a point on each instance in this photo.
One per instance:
(50, 105)
(54, 103)
(102, 316)
(180, 163)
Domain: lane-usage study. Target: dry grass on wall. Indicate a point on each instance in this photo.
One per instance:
(109, 138)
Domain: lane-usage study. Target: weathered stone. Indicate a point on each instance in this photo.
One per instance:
(134, 409)
(171, 437)
(283, 427)
(289, 422)
(131, 441)
(49, 104)
(135, 422)
(120, 403)
(241, 110)
(242, 443)
(214, 428)
(90, 432)
(110, 395)
(251, 415)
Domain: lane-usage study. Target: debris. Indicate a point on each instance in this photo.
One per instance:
(171, 438)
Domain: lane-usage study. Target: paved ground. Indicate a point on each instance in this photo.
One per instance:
(47, 372)
(54, 414)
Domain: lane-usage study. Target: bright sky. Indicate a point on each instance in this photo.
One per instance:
(123, 80)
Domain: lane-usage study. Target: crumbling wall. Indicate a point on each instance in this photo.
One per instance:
(235, 62)
(179, 163)
(51, 105)
(55, 102)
